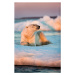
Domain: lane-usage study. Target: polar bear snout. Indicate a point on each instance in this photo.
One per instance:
(38, 27)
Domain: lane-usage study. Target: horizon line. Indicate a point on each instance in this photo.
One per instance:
(37, 17)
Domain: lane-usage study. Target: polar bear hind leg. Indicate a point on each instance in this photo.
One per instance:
(40, 38)
(43, 39)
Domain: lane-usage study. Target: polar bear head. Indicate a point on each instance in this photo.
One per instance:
(33, 27)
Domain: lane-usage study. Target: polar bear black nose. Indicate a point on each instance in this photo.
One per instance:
(38, 27)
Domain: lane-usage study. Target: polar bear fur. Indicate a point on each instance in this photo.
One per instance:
(31, 35)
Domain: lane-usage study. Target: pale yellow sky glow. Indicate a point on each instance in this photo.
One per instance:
(37, 9)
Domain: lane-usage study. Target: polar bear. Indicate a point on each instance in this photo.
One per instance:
(31, 35)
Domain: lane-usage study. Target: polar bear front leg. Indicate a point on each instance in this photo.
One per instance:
(24, 43)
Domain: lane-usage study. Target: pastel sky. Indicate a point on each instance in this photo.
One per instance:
(23, 9)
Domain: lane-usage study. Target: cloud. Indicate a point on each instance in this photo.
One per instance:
(54, 23)
(46, 23)
(36, 62)
(24, 58)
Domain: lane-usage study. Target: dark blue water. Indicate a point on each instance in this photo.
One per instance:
(36, 69)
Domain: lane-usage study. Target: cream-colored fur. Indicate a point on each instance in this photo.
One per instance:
(32, 36)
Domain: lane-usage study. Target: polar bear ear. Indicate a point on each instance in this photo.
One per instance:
(26, 27)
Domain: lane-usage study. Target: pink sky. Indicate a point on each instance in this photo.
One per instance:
(37, 9)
